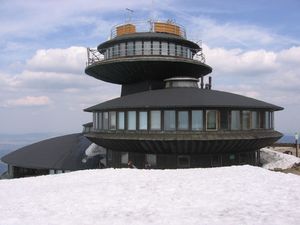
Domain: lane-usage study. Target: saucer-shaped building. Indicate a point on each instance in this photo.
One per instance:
(164, 117)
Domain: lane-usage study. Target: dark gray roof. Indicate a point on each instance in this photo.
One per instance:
(149, 36)
(63, 153)
(183, 97)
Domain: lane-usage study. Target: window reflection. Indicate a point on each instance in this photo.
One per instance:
(246, 120)
(211, 119)
(100, 121)
(267, 120)
(112, 120)
(138, 48)
(105, 120)
(155, 120)
(121, 120)
(224, 114)
(155, 48)
(183, 120)
(254, 120)
(197, 119)
(172, 49)
(143, 121)
(130, 49)
(164, 48)
(147, 47)
(122, 49)
(131, 120)
(235, 120)
(169, 120)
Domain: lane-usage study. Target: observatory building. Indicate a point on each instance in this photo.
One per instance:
(164, 117)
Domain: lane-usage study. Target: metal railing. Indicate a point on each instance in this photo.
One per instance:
(94, 56)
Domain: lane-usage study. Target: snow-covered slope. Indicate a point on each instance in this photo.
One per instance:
(272, 159)
(229, 195)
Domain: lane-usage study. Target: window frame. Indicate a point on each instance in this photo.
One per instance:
(216, 119)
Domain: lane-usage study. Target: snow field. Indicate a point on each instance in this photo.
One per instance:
(228, 195)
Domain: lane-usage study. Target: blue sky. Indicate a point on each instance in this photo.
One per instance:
(253, 47)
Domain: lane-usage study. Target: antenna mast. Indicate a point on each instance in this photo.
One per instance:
(129, 14)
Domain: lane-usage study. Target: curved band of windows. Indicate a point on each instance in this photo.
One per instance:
(183, 120)
(138, 48)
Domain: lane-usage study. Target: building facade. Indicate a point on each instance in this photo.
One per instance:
(163, 117)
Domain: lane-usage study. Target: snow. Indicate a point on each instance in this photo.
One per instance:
(228, 195)
(273, 159)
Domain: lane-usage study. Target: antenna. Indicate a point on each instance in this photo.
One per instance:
(130, 12)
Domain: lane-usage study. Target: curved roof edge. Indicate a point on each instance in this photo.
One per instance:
(63, 153)
(183, 97)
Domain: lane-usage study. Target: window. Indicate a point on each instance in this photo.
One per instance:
(183, 161)
(109, 50)
(224, 119)
(138, 48)
(112, 120)
(189, 53)
(261, 120)
(131, 120)
(183, 120)
(246, 120)
(105, 120)
(147, 47)
(254, 120)
(116, 51)
(155, 48)
(267, 120)
(211, 120)
(272, 120)
(235, 120)
(178, 50)
(169, 120)
(155, 120)
(184, 52)
(151, 159)
(99, 120)
(164, 48)
(124, 158)
(197, 119)
(130, 48)
(143, 121)
(122, 49)
(94, 120)
(121, 121)
(172, 49)
(109, 155)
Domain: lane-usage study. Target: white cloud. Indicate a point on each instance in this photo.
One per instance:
(242, 62)
(267, 75)
(290, 56)
(69, 60)
(35, 18)
(28, 101)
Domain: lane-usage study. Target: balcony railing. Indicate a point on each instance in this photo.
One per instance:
(95, 56)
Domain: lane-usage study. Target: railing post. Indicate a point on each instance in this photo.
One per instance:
(88, 56)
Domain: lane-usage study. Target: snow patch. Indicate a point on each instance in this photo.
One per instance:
(272, 159)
